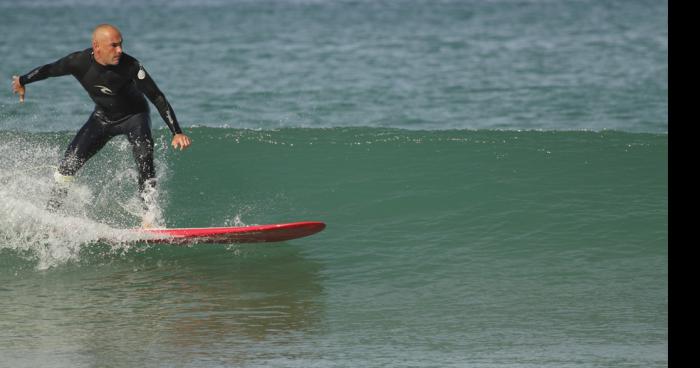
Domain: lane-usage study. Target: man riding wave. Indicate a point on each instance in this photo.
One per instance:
(117, 83)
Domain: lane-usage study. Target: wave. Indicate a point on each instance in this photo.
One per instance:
(364, 182)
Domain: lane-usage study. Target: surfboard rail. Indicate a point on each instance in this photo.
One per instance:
(236, 234)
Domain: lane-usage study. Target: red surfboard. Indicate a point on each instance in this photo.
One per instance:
(227, 235)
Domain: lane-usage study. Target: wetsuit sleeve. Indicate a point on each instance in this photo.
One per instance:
(146, 85)
(63, 66)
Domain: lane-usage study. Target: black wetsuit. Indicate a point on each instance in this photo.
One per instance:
(120, 108)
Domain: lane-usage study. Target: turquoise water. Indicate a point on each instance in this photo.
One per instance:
(494, 177)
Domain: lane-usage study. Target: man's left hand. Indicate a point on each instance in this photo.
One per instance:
(182, 141)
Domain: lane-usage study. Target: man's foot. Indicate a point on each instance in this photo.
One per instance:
(146, 223)
(151, 211)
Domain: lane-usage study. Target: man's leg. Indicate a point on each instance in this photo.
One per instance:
(139, 135)
(89, 140)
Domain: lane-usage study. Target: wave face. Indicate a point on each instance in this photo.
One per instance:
(470, 237)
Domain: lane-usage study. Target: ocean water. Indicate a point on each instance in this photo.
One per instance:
(493, 176)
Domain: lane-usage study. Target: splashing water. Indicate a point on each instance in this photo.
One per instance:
(88, 215)
(51, 238)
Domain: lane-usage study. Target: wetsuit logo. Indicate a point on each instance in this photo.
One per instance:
(33, 73)
(105, 90)
(170, 118)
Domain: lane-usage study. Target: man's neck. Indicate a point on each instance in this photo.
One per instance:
(94, 57)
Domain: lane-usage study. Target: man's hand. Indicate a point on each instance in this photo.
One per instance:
(182, 141)
(17, 88)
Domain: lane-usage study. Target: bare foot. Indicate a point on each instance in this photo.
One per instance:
(146, 224)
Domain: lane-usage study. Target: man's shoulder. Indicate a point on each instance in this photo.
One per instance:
(129, 64)
(78, 60)
(79, 55)
(82, 54)
(129, 60)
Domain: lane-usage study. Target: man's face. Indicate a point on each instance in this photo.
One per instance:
(107, 47)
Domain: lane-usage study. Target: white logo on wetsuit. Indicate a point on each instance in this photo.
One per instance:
(33, 73)
(105, 90)
(170, 118)
(141, 74)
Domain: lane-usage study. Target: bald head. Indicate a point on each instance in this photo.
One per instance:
(104, 30)
(107, 44)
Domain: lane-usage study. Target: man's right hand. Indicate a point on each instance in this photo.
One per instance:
(18, 88)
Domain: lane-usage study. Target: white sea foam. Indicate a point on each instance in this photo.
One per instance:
(89, 214)
(52, 238)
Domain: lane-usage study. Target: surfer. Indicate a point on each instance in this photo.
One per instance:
(117, 83)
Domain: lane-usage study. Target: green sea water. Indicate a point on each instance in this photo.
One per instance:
(493, 176)
(449, 248)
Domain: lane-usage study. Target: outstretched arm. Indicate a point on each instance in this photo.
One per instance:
(63, 66)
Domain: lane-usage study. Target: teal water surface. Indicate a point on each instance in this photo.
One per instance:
(485, 248)
(493, 174)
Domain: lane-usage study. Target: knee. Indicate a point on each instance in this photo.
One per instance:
(143, 148)
(147, 186)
